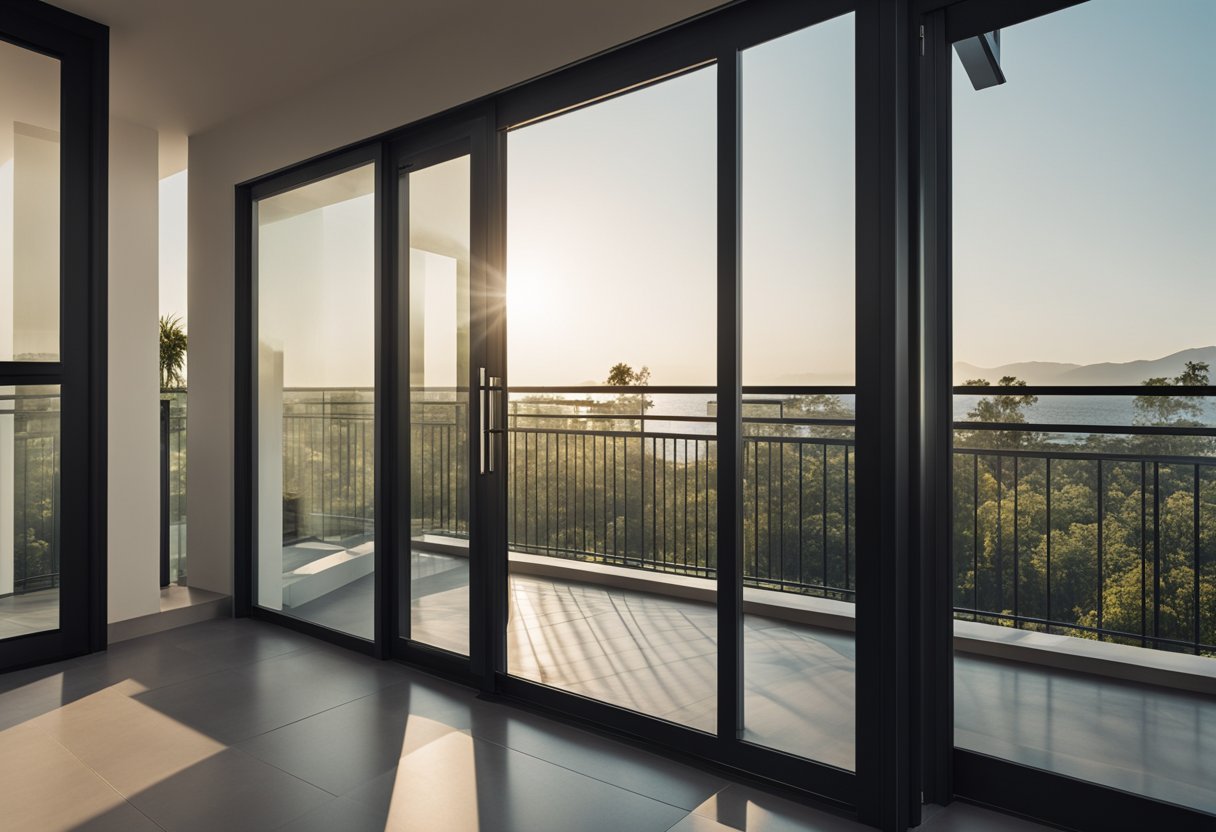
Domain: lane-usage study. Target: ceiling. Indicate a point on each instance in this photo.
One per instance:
(184, 66)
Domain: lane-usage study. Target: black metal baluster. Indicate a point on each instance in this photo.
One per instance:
(1156, 552)
(1195, 576)
(1101, 571)
(1048, 576)
(824, 520)
(1017, 553)
(1143, 554)
(975, 536)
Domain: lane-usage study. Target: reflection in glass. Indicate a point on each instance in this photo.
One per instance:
(315, 398)
(29, 510)
(798, 473)
(29, 205)
(439, 271)
(611, 500)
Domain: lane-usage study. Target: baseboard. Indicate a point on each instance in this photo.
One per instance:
(179, 607)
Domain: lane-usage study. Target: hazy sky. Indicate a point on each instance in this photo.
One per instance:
(1085, 207)
(611, 225)
(1085, 188)
(1084, 212)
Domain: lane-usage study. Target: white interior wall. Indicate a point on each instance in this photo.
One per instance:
(431, 75)
(133, 537)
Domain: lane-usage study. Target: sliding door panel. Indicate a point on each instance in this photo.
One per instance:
(611, 506)
(53, 78)
(1084, 517)
(798, 474)
(315, 394)
(29, 331)
(440, 302)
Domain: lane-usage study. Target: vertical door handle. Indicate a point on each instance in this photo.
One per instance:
(484, 440)
(490, 401)
(495, 430)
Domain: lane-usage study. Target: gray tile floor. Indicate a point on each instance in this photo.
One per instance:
(656, 654)
(241, 725)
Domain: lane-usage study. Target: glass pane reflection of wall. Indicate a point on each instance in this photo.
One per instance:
(439, 270)
(315, 399)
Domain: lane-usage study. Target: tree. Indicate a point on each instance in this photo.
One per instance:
(1005, 408)
(623, 375)
(1173, 410)
(172, 353)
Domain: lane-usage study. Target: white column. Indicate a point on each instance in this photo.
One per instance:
(133, 535)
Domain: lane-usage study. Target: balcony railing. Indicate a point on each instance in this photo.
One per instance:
(29, 425)
(1115, 542)
(173, 487)
(1112, 540)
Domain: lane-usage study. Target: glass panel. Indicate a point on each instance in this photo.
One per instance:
(1082, 254)
(29, 510)
(176, 449)
(29, 205)
(439, 404)
(798, 449)
(611, 278)
(315, 399)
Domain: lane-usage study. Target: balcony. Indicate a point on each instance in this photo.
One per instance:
(611, 523)
(611, 526)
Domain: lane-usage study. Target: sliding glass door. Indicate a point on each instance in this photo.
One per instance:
(1083, 500)
(436, 264)
(315, 399)
(611, 430)
(53, 79)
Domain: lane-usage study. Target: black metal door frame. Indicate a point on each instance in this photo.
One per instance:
(245, 494)
(883, 791)
(469, 134)
(82, 48)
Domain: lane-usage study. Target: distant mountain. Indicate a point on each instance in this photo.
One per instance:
(1048, 372)
(1031, 372)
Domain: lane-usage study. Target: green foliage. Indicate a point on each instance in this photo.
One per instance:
(172, 353)
(623, 375)
(1173, 410)
(1004, 408)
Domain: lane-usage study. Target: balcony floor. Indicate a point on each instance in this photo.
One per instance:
(32, 612)
(242, 725)
(655, 654)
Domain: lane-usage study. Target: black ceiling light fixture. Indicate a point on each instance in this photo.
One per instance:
(981, 57)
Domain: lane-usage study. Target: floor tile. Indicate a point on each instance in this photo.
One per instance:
(595, 756)
(46, 789)
(751, 810)
(229, 791)
(129, 744)
(350, 745)
(459, 783)
(237, 704)
(339, 814)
